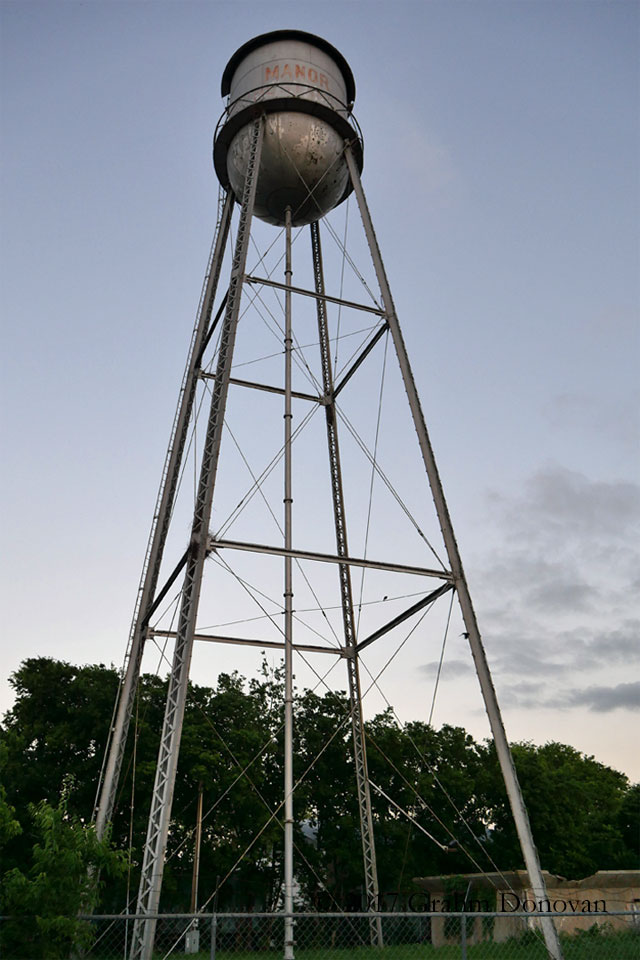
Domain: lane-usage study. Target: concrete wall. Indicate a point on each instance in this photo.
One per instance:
(576, 900)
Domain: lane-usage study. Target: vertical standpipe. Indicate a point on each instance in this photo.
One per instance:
(288, 609)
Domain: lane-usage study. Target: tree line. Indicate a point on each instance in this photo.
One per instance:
(584, 815)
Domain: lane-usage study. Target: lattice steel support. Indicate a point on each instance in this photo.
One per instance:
(161, 801)
(105, 801)
(355, 699)
(510, 777)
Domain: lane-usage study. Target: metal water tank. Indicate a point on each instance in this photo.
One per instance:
(305, 89)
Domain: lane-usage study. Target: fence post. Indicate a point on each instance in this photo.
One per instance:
(463, 935)
(214, 933)
(214, 920)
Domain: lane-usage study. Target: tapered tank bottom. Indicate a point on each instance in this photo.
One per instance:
(302, 167)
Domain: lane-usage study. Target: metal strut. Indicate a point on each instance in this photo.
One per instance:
(355, 699)
(510, 777)
(105, 801)
(161, 801)
(288, 610)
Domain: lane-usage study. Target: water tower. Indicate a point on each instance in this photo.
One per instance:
(287, 151)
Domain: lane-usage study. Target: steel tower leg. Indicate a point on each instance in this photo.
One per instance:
(288, 614)
(509, 774)
(160, 526)
(161, 801)
(355, 698)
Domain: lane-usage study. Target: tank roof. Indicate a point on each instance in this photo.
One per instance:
(311, 38)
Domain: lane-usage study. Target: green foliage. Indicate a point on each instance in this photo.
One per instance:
(628, 823)
(583, 814)
(9, 826)
(57, 728)
(62, 881)
(488, 896)
(597, 931)
(575, 805)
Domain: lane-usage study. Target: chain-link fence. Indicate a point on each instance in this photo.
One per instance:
(322, 936)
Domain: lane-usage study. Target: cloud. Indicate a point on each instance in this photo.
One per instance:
(531, 660)
(451, 669)
(559, 589)
(558, 500)
(529, 583)
(613, 420)
(620, 644)
(425, 160)
(555, 652)
(556, 596)
(623, 696)
(525, 694)
(597, 699)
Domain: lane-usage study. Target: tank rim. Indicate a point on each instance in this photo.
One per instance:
(311, 38)
(226, 131)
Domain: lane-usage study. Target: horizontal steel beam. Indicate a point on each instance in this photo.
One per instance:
(248, 642)
(317, 296)
(214, 544)
(409, 612)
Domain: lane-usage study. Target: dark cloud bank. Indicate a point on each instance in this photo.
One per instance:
(557, 596)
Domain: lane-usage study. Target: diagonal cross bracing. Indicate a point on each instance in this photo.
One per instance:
(415, 608)
(360, 359)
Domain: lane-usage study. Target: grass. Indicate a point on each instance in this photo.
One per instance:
(624, 945)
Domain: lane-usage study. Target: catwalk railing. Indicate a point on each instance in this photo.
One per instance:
(612, 935)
